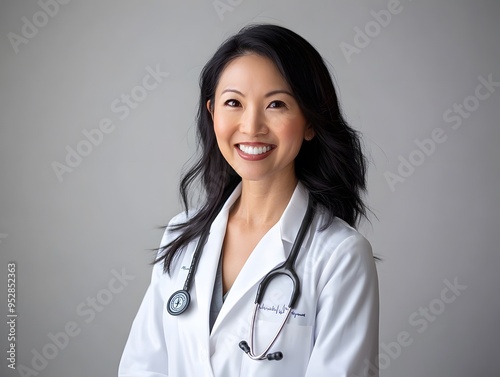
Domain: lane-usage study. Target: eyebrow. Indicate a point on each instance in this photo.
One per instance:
(269, 94)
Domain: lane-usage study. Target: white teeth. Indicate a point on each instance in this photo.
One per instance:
(254, 150)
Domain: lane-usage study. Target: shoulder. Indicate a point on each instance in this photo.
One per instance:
(171, 230)
(338, 232)
(342, 263)
(341, 244)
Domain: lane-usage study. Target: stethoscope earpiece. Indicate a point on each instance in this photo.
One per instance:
(275, 356)
(244, 346)
(270, 356)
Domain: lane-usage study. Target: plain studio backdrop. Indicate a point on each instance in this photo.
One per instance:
(97, 107)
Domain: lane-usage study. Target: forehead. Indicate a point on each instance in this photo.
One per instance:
(251, 72)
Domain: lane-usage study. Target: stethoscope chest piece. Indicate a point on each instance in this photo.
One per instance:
(178, 302)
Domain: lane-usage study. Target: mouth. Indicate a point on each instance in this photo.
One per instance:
(248, 149)
(254, 151)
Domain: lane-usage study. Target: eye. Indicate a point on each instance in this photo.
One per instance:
(232, 103)
(277, 105)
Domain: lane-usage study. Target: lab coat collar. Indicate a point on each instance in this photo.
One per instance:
(294, 212)
(288, 223)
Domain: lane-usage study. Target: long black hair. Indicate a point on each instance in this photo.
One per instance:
(331, 165)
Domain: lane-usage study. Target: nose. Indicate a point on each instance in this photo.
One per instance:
(253, 122)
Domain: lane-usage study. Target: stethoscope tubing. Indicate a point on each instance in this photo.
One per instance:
(263, 355)
(287, 269)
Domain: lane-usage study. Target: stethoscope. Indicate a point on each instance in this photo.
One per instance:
(180, 300)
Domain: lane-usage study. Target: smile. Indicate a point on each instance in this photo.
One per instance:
(254, 150)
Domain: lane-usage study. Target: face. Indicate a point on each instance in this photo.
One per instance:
(257, 121)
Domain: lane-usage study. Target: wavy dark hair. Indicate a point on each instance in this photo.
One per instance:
(331, 166)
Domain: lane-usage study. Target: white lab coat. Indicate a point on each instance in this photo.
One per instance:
(333, 331)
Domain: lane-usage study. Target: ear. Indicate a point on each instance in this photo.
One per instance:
(209, 107)
(309, 133)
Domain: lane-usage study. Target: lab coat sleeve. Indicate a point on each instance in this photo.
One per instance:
(347, 316)
(145, 353)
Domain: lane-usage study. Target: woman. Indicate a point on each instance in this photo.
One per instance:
(273, 143)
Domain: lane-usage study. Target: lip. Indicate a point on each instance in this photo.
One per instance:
(254, 157)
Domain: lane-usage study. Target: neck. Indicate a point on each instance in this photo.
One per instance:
(262, 203)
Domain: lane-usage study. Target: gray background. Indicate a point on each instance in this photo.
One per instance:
(68, 235)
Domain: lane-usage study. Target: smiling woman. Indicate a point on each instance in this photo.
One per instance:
(283, 175)
(256, 118)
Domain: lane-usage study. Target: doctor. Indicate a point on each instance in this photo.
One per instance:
(272, 141)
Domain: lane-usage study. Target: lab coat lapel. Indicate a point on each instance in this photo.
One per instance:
(207, 268)
(271, 251)
(266, 255)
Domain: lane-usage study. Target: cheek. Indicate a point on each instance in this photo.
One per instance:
(223, 131)
(293, 135)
